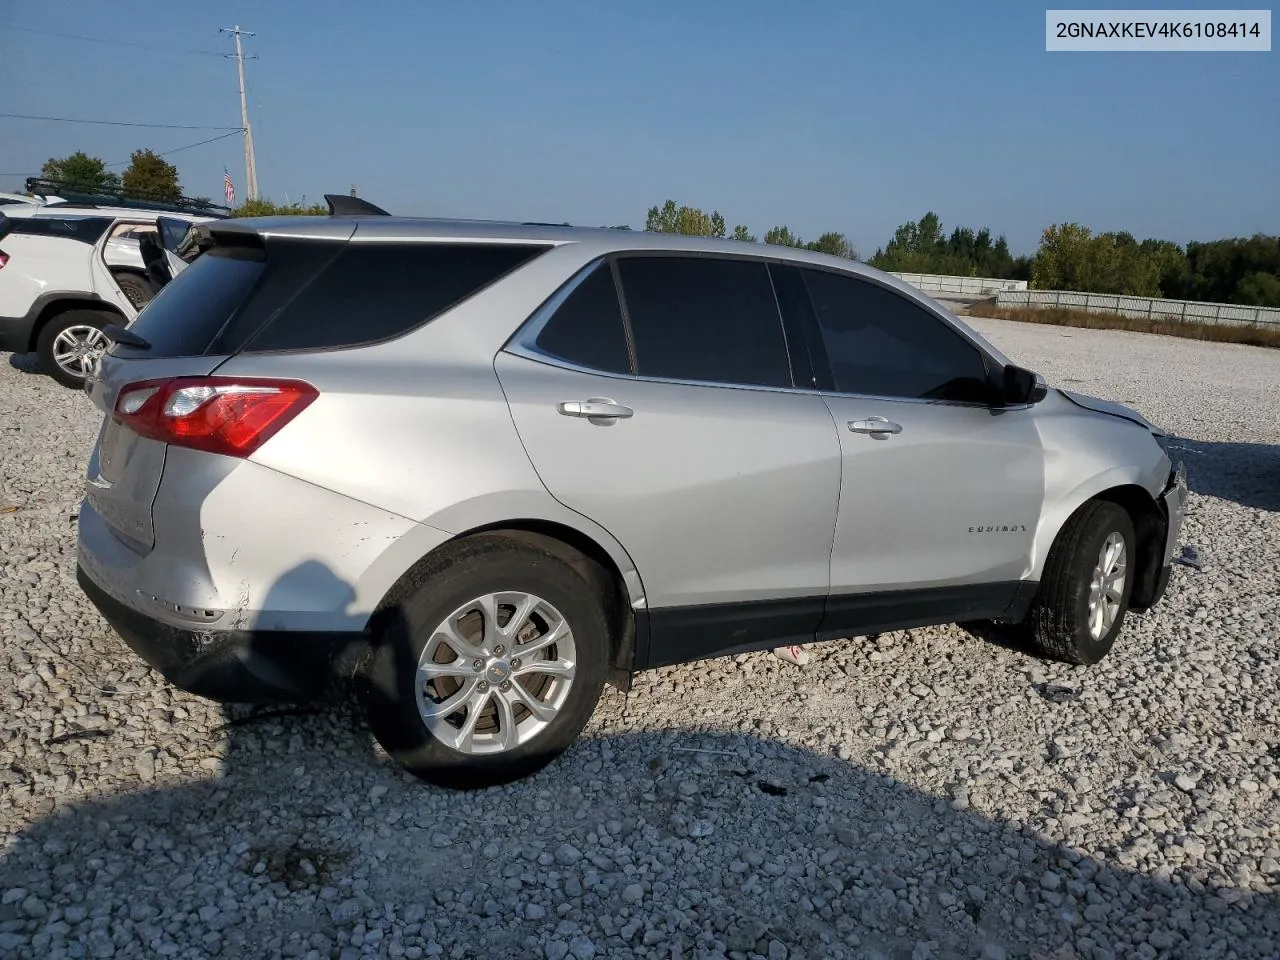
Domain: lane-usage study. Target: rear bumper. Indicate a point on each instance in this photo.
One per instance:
(235, 666)
(15, 334)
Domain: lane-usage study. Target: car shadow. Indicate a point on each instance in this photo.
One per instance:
(305, 840)
(1244, 473)
(308, 841)
(302, 838)
(26, 362)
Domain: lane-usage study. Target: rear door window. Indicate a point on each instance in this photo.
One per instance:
(706, 319)
(587, 328)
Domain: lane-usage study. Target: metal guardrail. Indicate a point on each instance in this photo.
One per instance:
(1191, 311)
(963, 286)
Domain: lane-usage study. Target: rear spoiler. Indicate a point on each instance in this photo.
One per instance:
(341, 205)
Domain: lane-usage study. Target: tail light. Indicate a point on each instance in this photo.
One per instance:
(226, 415)
(4, 258)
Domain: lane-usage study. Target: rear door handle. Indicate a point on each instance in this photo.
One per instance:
(597, 408)
(876, 426)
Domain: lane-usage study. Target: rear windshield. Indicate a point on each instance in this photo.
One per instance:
(185, 316)
(314, 295)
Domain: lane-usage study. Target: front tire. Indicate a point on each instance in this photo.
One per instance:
(69, 345)
(489, 663)
(1087, 582)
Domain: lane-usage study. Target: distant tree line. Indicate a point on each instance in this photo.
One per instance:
(672, 217)
(1237, 270)
(1070, 257)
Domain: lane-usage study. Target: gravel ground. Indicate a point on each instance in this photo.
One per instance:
(920, 794)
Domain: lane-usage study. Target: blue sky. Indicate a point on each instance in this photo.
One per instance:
(822, 115)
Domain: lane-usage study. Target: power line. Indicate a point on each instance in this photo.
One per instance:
(165, 153)
(118, 123)
(114, 43)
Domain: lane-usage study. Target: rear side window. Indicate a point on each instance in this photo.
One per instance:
(313, 295)
(587, 328)
(881, 344)
(85, 229)
(703, 318)
(374, 291)
(185, 316)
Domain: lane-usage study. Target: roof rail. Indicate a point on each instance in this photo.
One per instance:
(342, 205)
(86, 196)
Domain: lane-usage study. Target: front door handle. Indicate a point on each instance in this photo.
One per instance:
(878, 427)
(597, 408)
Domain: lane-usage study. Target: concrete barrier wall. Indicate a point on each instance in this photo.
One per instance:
(963, 286)
(1232, 314)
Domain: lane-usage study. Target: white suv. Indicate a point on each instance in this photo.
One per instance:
(66, 272)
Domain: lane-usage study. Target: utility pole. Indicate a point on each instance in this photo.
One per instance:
(250, 165)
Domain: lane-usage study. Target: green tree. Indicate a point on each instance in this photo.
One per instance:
(151, 177)
(835, 244)
(782, 237)
(1259, 290)
(740, 232)
(265, 208)
(81, 172)
(1216, 269)
(922, 247)
(1171, 267)
(1062, 261)
(688, 221)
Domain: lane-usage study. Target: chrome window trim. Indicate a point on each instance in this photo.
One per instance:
(523, 350)
(523, 344)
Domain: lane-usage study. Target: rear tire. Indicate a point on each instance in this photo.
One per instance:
(437, 647)
(1085, 588)
(136, 287)
(69, 345)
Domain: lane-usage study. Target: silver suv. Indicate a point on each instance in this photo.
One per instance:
(481, 468)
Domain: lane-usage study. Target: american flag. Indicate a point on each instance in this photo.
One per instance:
(228, 188)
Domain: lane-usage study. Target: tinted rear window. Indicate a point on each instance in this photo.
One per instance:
(314, 295)
(375, 291)
(84, 229)
(185, 316)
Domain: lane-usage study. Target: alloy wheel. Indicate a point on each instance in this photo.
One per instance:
(1106, 588)
(77, 349)
(495, 673)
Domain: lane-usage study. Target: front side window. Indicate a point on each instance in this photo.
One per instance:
(881, 344)
(706, 319)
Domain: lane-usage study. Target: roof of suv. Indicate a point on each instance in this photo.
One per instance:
(119, 213)
(606, 239)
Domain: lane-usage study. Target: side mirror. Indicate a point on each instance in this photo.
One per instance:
(1020, 385)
